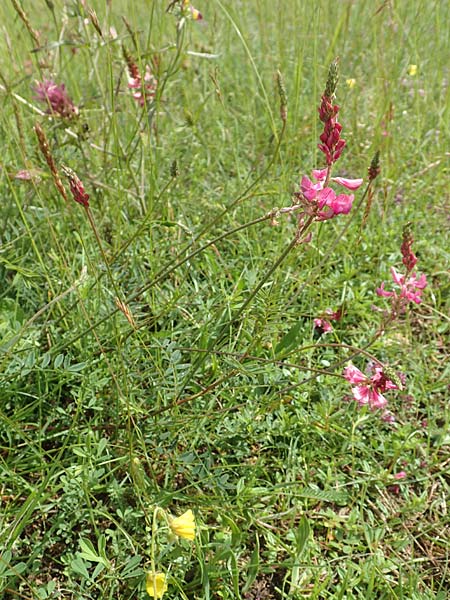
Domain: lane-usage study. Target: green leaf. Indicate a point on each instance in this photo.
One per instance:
(79, 566)
(290, 340)
(302, 535)
(5, 559)
(253, 567)
(132, 568)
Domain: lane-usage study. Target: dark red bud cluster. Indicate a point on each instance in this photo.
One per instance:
(409, 258)
(332, 145)
(327, 110)
(78, 193)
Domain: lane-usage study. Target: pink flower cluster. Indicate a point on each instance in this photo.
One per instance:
(146, 90)
(410, 289)
(411, 286)
(56, 98)
(323, 325)
(323, 202)
(369, 390)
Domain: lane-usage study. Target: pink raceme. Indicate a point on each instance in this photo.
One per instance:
(323, 202)
(369, 390)
(56, 98)
(410, 289)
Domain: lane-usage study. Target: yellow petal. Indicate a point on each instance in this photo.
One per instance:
(184, 526)
(156, 584)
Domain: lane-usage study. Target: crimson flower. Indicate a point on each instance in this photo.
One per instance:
(76, 187)
(56, 98)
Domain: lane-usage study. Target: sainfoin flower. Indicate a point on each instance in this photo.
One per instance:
(56, 98)
(410, 288)
(76, 187)
(145, 90)
(369, 390)
(184, 526)
(323, 326)
(322, 323)
(155, 584)
(323, 202)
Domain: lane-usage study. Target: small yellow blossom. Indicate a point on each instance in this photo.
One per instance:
(351, 83)
(184, 526)
(195, 14)
(155, 584)
(412, 70)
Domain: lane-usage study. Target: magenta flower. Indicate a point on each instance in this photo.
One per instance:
(322, 323)
(410, 289)
(369, 390)
(323, 326)
(56, 98)
(409, 285)
(322, 202)
(400, 475)
(351, 184)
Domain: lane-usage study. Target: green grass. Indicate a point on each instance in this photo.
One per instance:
(238, 414)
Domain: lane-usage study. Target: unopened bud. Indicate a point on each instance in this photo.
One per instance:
(283, 97)
(332, 80)
(394, 377)
(374, 169)
(174, 171)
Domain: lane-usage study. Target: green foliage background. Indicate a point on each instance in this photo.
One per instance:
(244, 421)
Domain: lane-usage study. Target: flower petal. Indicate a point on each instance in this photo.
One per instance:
(350, 184)
(320, 174)
(342, 204)
(354, 375)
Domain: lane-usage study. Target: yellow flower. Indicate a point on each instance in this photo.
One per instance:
(155, 584)
(184, 526)
(351, 83)
(412, 70)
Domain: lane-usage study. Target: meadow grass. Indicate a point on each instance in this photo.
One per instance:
(163, 356)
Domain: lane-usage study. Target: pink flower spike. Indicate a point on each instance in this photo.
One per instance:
(400, 475)
(353, 375)
(350, 184)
